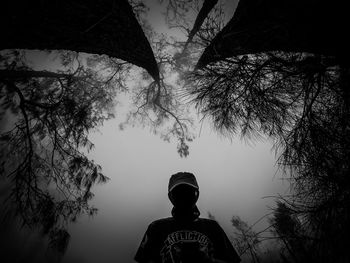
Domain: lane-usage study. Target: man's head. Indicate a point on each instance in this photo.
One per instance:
(183, 190)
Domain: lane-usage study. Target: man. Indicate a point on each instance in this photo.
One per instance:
(184, 237)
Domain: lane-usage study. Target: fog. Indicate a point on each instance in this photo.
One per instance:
(233, 176)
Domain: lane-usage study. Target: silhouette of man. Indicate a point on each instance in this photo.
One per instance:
(185, 237)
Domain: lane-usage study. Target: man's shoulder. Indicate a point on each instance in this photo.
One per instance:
(208, 222)
(167, 220)
(162, 221)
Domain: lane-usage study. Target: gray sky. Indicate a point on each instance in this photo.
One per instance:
(233, 178)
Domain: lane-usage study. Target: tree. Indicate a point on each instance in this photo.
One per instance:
(42, 149)
(158, 105)
(296, 93)
(202, 15)
(246, 239)
(290, 231)
(95, 27)
(210, 18)
(262, 26)
(300, 101)
(248, 242)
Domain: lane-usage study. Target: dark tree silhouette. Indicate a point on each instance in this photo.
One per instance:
(202, 15)
(299, 100)
(209, 21)
(159, 105)
(290, 231)
(96, 27)
(42, 148)
(246, 240)
(294, 89)
(291, 26)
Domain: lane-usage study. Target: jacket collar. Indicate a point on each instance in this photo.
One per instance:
(185, 215)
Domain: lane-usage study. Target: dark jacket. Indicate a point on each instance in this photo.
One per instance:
(165, 237)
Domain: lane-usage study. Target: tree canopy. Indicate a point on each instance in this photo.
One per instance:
(96, 27)
(291, 26)
(270, 72)
(42, 149)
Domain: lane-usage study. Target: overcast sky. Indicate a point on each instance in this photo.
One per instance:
(233, 178)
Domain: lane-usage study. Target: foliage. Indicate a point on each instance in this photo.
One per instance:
(301, 102)
(251, 246)
(42, 150)
(176, 10)
(159, 105)
(179, 16)
(246, 239)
